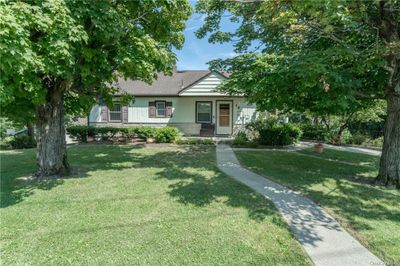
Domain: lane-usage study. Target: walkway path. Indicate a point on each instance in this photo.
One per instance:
(304, 145)
(325, 241)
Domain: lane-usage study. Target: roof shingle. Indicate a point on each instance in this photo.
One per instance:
(163, 85)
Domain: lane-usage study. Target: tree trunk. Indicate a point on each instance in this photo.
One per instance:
(31, 132)
(51, 145)
(389, 169)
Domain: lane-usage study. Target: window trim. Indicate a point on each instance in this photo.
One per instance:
(115, 112)
(211, 113)
(165, 109)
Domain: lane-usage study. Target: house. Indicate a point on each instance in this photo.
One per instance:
(187, 100)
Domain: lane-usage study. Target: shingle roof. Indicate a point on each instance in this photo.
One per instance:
(163, 85)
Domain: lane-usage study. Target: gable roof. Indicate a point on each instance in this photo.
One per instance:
(164, 85)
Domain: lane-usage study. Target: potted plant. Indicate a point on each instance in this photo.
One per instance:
(318, 148)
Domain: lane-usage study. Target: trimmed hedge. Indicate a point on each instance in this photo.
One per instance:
(269, 131)
(279, 134)
(162, 135)
(312, 132)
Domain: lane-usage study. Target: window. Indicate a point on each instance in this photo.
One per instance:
(203, 112)
(115, 113)
(160, 109)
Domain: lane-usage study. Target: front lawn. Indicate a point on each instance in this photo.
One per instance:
(339, 182)
(129, 205)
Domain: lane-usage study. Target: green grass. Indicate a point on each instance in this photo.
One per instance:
(131, 205)
(339, 182)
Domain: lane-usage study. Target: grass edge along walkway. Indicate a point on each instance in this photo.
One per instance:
(325, 241)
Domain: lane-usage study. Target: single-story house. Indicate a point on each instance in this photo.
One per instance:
(187, 100)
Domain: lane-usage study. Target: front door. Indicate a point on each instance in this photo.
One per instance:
(224, 118)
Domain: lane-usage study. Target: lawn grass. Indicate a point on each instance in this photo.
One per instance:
(340, 182)
(153, 206)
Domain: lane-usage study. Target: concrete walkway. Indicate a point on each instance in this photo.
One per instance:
(304, 145)
(325, 241)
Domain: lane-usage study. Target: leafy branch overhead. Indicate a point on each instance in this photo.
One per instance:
(326, 57)
(84, 45)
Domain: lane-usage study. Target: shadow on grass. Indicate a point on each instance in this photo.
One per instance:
(335, 185)
(192, 171)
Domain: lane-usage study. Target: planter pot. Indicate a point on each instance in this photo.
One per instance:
(150, 140)
(90, 139)
(318, 148)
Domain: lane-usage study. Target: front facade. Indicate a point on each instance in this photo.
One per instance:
(187, 100)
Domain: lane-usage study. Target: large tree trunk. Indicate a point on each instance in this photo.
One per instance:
(51, 144)
(389, 170)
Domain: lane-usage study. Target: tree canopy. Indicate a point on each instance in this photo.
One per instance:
(83, 46)
(63, 55)
(321, 56)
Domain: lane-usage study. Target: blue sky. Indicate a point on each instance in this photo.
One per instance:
(197, 52)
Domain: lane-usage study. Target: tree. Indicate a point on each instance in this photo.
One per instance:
(328, 57)
(58, 54)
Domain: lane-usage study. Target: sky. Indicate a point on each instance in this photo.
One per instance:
(197, 52)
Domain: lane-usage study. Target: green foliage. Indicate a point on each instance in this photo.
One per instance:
(313, 132)
(279, 134)
(146, 132)
(241, 138)
(77, 46)
(162, 135)
(318, 56)
(261, 123)
(358, 138)
(5, 143)
(167, 134)
(80, 133)
(269, 131)
(105, 133)
(22, 142)
(378, 142)
(4, 125)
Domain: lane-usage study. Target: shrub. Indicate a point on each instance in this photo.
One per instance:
(167, 134)
(261, 123)
(377, 142)
(333, 137)
(81, 133)
(358, 138)
(22, 142)
(313, 132)
(279, 134)
(5, 142)
(145, 132)
(107, 133)
(127, 132)
(241, 138)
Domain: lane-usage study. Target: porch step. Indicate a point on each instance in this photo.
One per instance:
(207, 130)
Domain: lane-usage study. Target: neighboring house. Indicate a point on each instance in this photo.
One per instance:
(187, 100)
